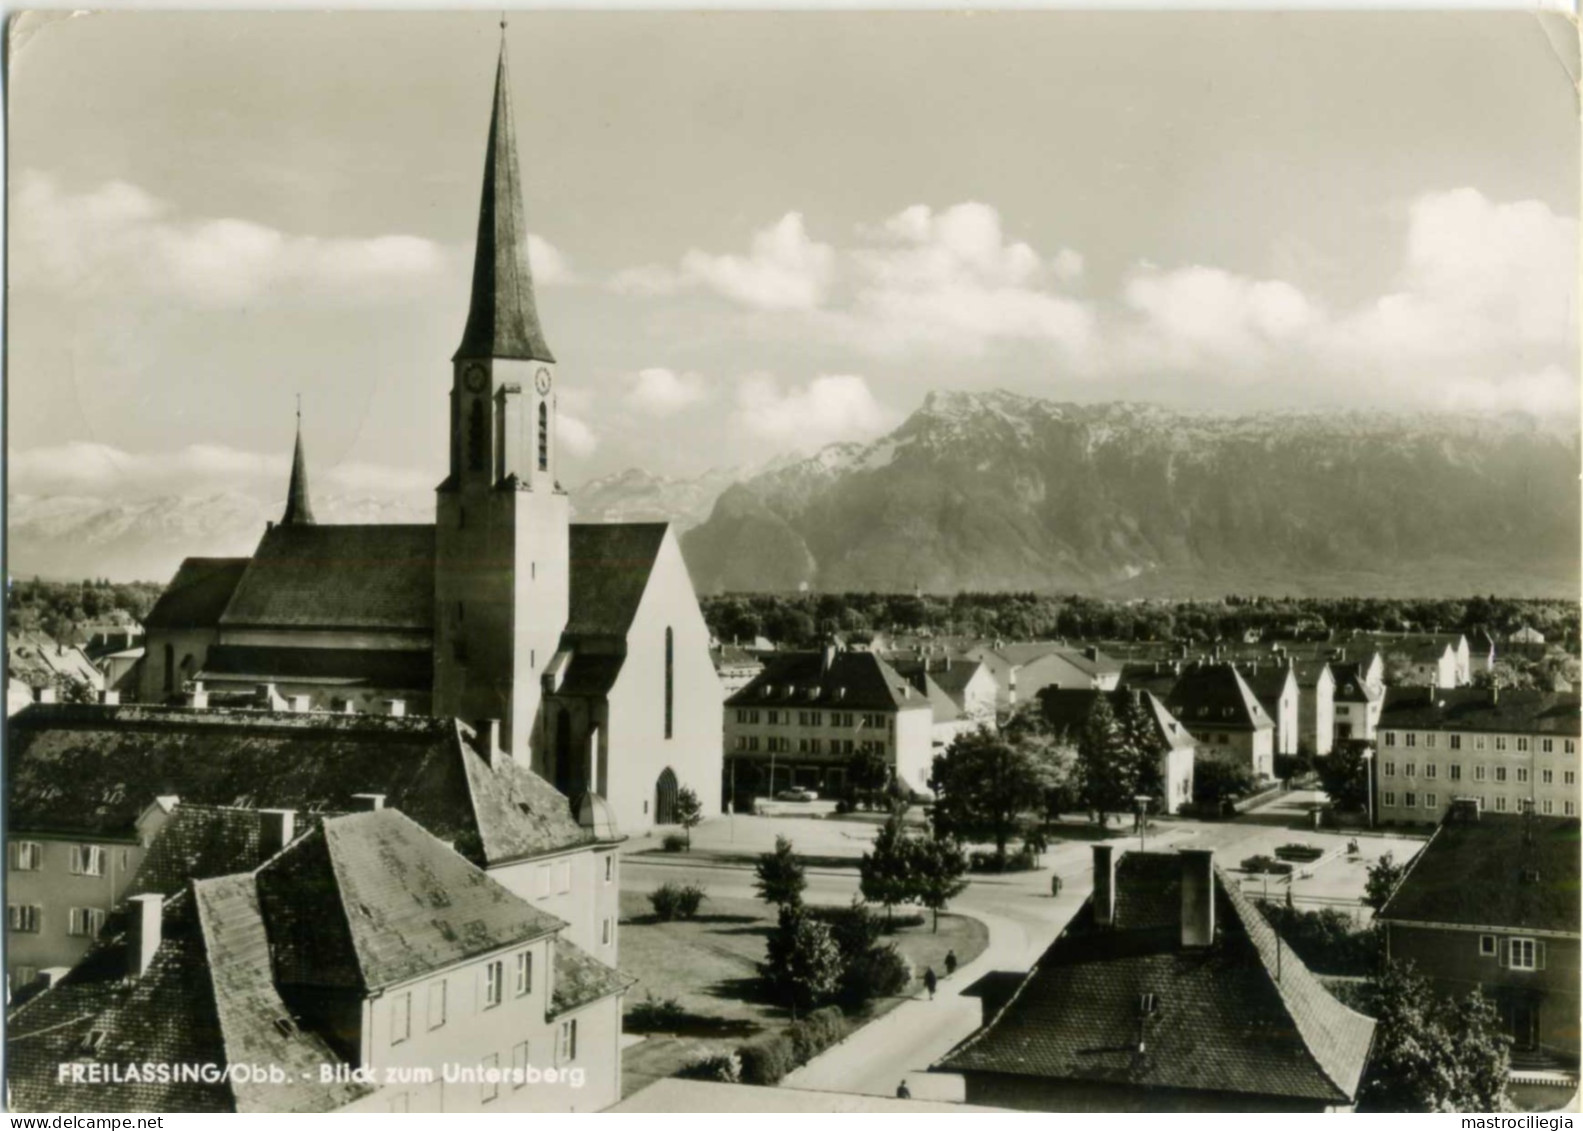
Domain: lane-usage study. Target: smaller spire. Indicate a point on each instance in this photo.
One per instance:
(299, 510)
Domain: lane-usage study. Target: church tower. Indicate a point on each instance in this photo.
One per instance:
(502, 520)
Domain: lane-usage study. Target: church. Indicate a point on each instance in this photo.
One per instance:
(581, 645)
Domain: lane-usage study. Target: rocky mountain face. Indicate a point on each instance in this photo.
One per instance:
(999, 491)
(639, 496)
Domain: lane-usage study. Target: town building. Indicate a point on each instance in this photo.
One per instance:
(1167, 992)
(735, 667)
(1504, 749)
(90, 787)
(1023, 670)
(1422, 659)
(1068, 713)
(1357, 698)
(1220, 710)
(805, 717)
(1491, 904)
(584, 641)
(1275, 685)
(367, 962)
(1316, 707)
(39, 661)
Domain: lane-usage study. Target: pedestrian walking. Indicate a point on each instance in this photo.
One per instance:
(930, 981)
(950, 963)
(903, 1092)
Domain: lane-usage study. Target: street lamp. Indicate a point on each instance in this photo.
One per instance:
(1368, 783)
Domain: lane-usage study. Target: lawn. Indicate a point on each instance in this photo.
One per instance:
(710, 966)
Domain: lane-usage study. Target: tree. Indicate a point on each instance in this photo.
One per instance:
(983, 785)
(780, 880)
(886, 875)
(1432, 1053)
(689, 812)
(868, 771)
(1384, 875)
(939, 874)
(1344, 774)
(1219, 778)
(1105, 768)
(802, 964)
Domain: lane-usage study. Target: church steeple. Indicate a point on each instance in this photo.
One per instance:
(502, 320)
(299, 509)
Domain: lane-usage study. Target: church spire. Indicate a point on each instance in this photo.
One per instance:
(299, 510)
(502, 320)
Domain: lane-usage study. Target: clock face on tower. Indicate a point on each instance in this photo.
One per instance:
(475, 377)
(541, 382)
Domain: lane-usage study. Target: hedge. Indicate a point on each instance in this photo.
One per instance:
(768, 1060)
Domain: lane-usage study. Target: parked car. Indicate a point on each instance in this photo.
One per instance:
(797, 794)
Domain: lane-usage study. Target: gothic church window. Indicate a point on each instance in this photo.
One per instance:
(670, 681)
(544, 437)
(477, 437)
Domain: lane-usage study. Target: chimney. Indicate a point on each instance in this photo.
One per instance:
(1092, 652)
(1495, 693)
(1104, 885)
(300, 704)
(397, 707)
(349, 708)
(109, 698)
(196, 695)
(46, 694)
(51, 975)
(276, 828)
(143, 926)
(1464, 810)
(826, 657)
(1198, 896)
(266, 692)
(368, 802)
(487, 740)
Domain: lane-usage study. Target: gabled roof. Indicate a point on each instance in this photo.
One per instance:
(1501, 870)
(1068, 710)
(611, 563)
(1268, 683)
(1243, 1015)
(1351, 687)
(856, 681)
(370, 899)
(502, 319)
(404, 670)
(581, 978)
(1478, 709)
(91, 769)
(377, 576)
(198, 594)
(199, 842)
(1216, 696)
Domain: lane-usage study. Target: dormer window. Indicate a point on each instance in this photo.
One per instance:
(93, 1041)
(1148, 1004)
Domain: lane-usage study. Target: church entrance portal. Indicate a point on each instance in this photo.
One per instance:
(665, 798)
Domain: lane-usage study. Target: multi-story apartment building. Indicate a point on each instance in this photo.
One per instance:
(1217, 706)
(1316, 706)
(1503, 749)
(805, 717)
(1278, 693)
(1357, 698)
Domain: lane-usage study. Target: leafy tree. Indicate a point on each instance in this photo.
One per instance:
(868, 771)
(802, 964)
(779, 876)
(940, 874)
(1432, 1053)
(1106, 767)
(983, 785)
(1384, 875)
(886, 875)
(1344, 774)
(1218, 778)
(689, 812)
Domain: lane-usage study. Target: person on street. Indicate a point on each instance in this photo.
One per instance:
(930, 981)
(950, 963)
(903, 1092)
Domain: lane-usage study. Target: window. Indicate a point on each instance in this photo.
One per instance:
(477, 437)
(1410, 770)
(26, 855)
(1522, 773)
(85, 922)
(1429, 741)
(86, 860)
(1568, 777)
(1522, 746)
(1500, 805)
(543, 878)
(610, 868)
(400, 1018)
(566, 1050)
(1500, 773)
(489, 1078)
(1478, 773)
(1570, 746)
(494, 983)
(1390, 797)
(1431, 801)
(437, 1003)
(1410, 739)
(1547, 777)
(24, 918)
(742, 716)
(1222, 740)
(1390, 738)
(1455, 771)
(605, 933)
(1430, 769)
(815, 718)
(524, 973)
(1547, 745)
(519, 1065)
(1523, 954)
(1478, 742)
(670, 681)
(1549, 806)
(1390, 769)
(1487, 946)
(1456, 742)
(1410, 799)
(816, 745)
(544, 437)
(1569, 808)
(1500, 742)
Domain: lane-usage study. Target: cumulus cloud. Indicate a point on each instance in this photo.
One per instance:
(1203, 316)
(826, 409)
(661, 392)
(575, 437)
(783, 270)
(1551, 391)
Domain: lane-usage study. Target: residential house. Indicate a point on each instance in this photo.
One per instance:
(735, 667)
(1423, 659)
(40, 661)
(367, 963)
(85, 777)
(1276, 687)
(1316, 707)
(1023, 670)
(1068, 713)
(1167, 992)
(1491, 903)
(968, 682)
(800, 722)
(1357, 701)
(1505, 749)
(1221, 711)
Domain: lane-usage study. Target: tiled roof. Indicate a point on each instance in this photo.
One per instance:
(951, 676)
(1421, 647)
(1477, 709)
(1268, 683)
(198, 594)
(1479, 873)
(856, 681)
(94, 769)
(197, 843)
(38, 659)
(370, 576)
(1242, 1016)
(1068, 710)
(519, 814)
(581, 978)
(409, 669)
(1216, 696)
(611, 563)
(1351, 687)
(591, 674)
(370, 899)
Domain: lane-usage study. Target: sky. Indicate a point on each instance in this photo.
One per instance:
(757, 233)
